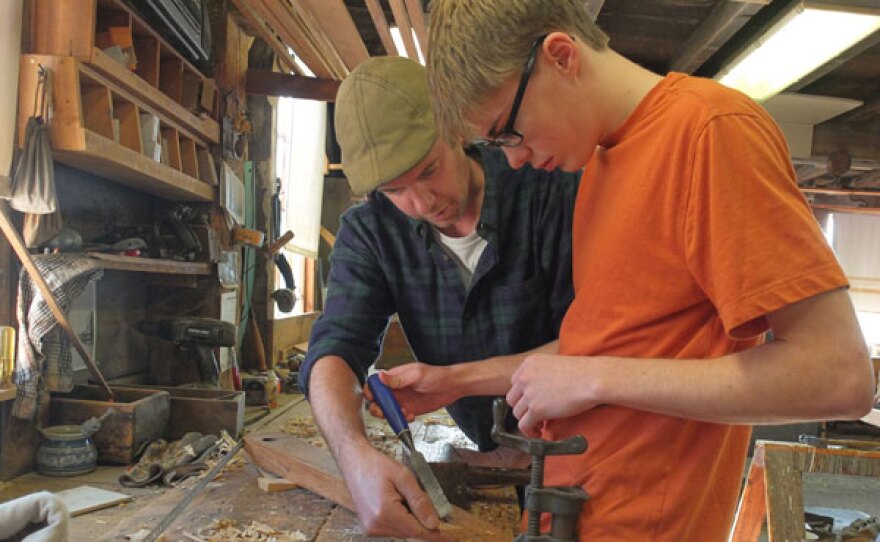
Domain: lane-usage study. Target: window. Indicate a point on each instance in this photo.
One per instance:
(300, 163)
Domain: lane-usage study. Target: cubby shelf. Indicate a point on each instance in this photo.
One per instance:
(160, 78)
(95, 125)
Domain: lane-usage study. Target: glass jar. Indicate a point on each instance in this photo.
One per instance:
(7, 355)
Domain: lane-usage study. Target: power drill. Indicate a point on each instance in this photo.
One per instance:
(197, 335)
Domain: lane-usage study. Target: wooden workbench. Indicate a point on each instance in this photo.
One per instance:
(235, 496)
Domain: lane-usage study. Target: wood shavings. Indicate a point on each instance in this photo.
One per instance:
(304, 428)
(227, 530)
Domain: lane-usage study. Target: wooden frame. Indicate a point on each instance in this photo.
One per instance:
(774, 488)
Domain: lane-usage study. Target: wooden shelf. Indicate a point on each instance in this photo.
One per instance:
(150, 265)
(158, 76)
(94, 125)
(840, 192)
(847, 209)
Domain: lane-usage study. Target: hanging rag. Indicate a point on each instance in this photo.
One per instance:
(44, 360)
(33, 182)
(18, 516)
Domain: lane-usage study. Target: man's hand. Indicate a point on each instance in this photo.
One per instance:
(548, 386)
(418, 387)
(388, 499)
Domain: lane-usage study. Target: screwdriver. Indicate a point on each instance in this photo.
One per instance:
(384, 397)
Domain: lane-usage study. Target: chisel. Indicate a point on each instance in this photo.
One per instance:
(384, 397)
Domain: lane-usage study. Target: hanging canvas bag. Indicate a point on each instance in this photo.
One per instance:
(33, 183)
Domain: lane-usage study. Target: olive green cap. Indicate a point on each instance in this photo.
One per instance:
(384, 121)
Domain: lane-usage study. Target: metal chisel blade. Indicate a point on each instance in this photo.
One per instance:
(430, 483)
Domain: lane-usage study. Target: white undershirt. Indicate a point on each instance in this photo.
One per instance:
(466, 252)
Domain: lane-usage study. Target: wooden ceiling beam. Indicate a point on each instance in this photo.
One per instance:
(269, 83)
(260, 27)
(417, 17)
(720, 25)
(336, 22)
(306, 38)
(381, 24)
(398, 9)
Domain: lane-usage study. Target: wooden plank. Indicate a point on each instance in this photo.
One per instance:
(83, 499)
(403, 24)
(63, 27)
(315, 469)
(271, 485)
(149, 265)
(66, 116)
(335, 20)
(306, 26)
(847, 209)
(108, 159)
(785, 497)
(260, 27)
(282, 21)
(381, 23)
(417, 17)
(841, 192)
(269, 83)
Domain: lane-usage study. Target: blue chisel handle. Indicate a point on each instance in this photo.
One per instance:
(384, 397)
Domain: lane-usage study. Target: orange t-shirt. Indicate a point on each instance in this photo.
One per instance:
(688, 230)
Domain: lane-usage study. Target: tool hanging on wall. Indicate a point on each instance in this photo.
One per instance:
(284, 297)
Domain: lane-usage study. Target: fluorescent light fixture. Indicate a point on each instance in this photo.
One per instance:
(805, 37)
(397, 38)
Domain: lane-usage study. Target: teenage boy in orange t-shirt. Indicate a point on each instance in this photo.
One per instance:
(691, 241)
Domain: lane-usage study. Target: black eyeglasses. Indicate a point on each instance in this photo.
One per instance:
(508, 136)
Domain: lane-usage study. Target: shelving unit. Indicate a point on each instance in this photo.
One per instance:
(83, 28)
(843, 192)
(95, 125)
(150, 265)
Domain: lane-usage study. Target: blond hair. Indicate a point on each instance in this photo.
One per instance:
(477, 45)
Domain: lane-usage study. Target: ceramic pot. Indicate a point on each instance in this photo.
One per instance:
(67, 450)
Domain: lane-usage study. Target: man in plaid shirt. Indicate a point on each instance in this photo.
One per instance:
(474, 258)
